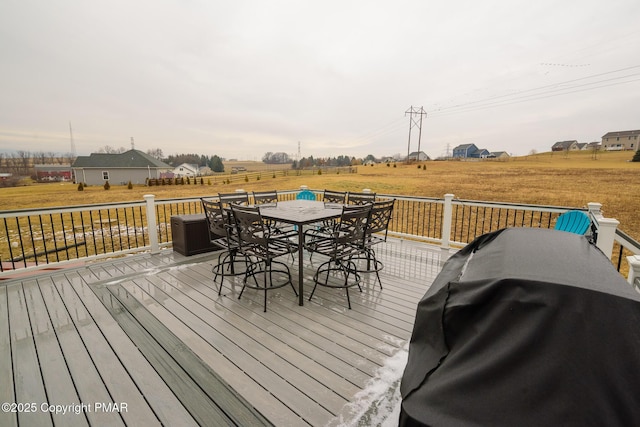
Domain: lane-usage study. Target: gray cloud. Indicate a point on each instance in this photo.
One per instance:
(242, 78)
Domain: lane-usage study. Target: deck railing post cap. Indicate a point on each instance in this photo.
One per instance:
(449, 196)
(149, 196)
(594, 206)
(366, 190)
(240, 190)
(304, 187)
(634, 261)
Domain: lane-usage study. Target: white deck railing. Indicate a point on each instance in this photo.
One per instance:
(55, 237)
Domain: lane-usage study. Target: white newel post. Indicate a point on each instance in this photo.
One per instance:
(606, 228)
(152, 226)
(446, 221)
(634, 268)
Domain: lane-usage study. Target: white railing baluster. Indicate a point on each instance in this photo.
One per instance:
(446, 221)
(634, 271)
(152, 227)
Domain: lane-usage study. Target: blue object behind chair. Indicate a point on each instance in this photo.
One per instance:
(574, 222)
(305, 195)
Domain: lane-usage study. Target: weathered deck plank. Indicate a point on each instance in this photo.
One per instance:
(6, 362)
(153, 332)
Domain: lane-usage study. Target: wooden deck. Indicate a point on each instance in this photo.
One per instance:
(146, 339)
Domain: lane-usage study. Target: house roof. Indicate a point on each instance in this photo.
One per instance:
(621, 133)
(564, 144)
(128, 159)
(465, 146)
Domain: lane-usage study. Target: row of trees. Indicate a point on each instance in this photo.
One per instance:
(21, 162)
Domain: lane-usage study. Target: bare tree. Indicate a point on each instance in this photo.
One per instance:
(156, 153)
(110, 150)
(39, 158)
(24, 162)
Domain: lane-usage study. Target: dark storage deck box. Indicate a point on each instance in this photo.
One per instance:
(190, 235)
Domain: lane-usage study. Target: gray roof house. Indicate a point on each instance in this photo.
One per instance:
(131, 166)
(419, 156)
(565, 146)
(464, 151)
(470, 151)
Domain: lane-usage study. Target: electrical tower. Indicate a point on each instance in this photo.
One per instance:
(415, 119)
(73, 144)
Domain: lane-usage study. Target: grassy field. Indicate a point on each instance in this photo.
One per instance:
(547, 179)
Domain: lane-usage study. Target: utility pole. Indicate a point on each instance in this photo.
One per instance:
(73, 144)
(415, 119)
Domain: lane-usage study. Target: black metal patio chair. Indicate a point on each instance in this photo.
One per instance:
(239, 198)
(261, 249)
(222, 234)
(268, 199)
(360, 198)
(338, 197)
(265, 197)
(345, 242)
(376, 233)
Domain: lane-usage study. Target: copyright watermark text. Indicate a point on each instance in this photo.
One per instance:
(70, 408)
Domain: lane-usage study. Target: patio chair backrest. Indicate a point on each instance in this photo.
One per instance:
(250, 227)
(227, 199)
(361, 198)
(330, 196)
(576, 222)
(381, 214)
(306, 195)
(263, 197)
(215, 217)
(352, 228)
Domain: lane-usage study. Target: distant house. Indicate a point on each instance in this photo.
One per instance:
(565, 146)
(464, 151)
(418, 156)
(186, 170)
(470, 151)
(621, 140)
(131, 166)
(53, 173)
(500, 155)
(481, 153)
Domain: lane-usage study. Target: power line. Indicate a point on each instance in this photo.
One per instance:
(518, 96)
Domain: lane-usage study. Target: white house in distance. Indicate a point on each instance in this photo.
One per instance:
(186, 170)
(131, 166)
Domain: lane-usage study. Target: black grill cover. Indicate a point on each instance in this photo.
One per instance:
(522, 327)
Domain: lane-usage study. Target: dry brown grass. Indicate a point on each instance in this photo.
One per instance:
(545, 179)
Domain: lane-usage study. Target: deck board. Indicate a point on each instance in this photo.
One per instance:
(28, 387)
(6, 362)
(152, 331)
(58, 383)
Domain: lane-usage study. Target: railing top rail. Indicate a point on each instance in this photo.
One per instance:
(627, 241)
(532, 207)
(65, 209)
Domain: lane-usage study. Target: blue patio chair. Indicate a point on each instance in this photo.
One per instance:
(574, 222)
(305, 195)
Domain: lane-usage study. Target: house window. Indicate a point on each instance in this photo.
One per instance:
(105, 175)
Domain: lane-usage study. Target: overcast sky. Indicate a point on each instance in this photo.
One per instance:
(244, 77)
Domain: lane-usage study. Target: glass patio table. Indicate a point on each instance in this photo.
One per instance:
(300, 213)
